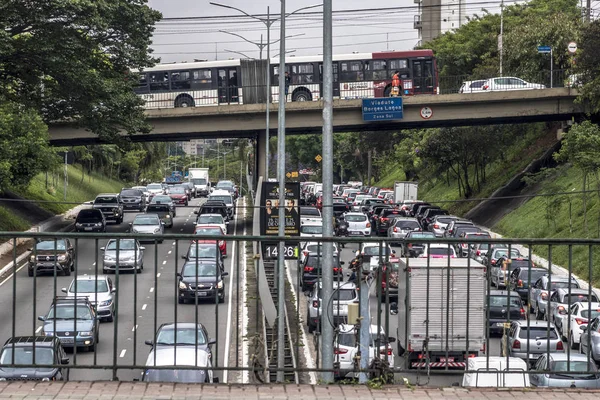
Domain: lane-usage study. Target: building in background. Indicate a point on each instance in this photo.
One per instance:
(438, 16)
(193, 147)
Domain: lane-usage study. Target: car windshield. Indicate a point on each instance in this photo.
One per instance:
(175, 375)
(146, 220)
(106, 200)
(51, 245)
(442, 220)
(421, 235)
(67, 311)
(341, 295)
(441, 251)
(563, 368)
(89, 286)
(500, 301)
(586, 314)
(209, 231)
(558, 285)
(224, 185)
(349, 339)
(407, 225)
(537, 332)
(154, 186)
(356, 218)
(24, 355)
(312, 229)
(210, 219)
(535, 274)
(203, 251)
(574, 298)
(317, 260)
(504, 252)
(198, 181)
(177, 190)
(161, 199)
(224, 199)
(309, 211)
(184, 336)
(199, 269)
(131, 192)
(124, 244)
(158, 208)
(375, 250)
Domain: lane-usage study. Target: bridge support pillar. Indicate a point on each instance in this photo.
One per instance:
(261, 156)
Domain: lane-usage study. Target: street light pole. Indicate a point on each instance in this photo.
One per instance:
(327, 342)
(501, 34)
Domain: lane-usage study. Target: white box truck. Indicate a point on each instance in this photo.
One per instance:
(199, 177)
(441, 311)
(405, 191)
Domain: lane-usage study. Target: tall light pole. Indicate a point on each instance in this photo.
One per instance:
(501, 39)
(327, 342)
(268, 22)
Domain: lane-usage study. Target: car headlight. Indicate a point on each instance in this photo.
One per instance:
(77, 224)
(182, 285)
(105, 303)
(220, 285)
(32, 259)
(109, 258)
(62, 257)
(98, 224)
(167, 216)
(44, 333)
(2, 379)
(86, 333)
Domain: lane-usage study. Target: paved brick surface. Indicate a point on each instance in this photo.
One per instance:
(176, 391)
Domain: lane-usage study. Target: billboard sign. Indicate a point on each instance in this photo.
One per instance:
(270, 209)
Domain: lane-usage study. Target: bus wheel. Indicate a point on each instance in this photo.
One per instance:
(184, 101)
(301, 95)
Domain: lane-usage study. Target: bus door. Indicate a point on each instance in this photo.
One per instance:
(423, 76)
(228, 85)
(336, 80)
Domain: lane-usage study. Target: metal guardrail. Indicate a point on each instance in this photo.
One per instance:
(145, 299)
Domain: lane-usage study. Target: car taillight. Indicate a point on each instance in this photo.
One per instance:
(516, 345)
(340, 351)
(544, 296)
(478, 253)
(383, 219)
(395, 229)
(305, 253)
(580, 321)
(522, 312)
(493, 262)
(387, 351)
(409, 245)
(368, 225)
(308, 269)
(221, 242)
(559, 345)
(485, 87)
(315, 303)
(436, 226)
(337, 269)
(520, 283)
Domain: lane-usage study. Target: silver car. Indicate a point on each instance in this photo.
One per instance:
(150, 224)
(542, 290)
(590, 339)
(529, 343)
(401, 226)
(562, 370)
(439, 224)
(99, 290)
(130, 255)
(344, 293)
(177, 356)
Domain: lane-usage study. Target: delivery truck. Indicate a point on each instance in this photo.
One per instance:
(405, 191)
(200, 178)
(441, 311)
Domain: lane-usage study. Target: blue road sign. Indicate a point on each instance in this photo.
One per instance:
(544, 49)
(382, 109)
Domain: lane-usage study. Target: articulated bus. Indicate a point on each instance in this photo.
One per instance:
(355, 76)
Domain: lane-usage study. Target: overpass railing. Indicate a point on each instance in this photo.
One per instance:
(356, 90)
(158, 317)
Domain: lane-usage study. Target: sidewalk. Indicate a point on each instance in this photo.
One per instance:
(140, 390)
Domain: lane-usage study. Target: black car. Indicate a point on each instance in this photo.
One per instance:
(519, 280)
(200, 250)
(309, 211)
(312, 271)
(373, 212)
(164, 212)
(504, 306)
(429, 215)
(52, 254)
(133, 199)
(202, 280)
(415, 249)
(215, 207)
(90, 220)
(411, 211)
(20, 350)
(340, 206)
(385, 218)
(110, 205)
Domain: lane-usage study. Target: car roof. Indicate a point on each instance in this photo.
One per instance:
(91, 277)
(45, 341)
(503, 293)
(355, 213)
(341, 285)
(107, 195)
(184, 355)
(574, 290)
(176, 325)
(211, 215)
(348, 328)
(585, 304)
(569, 357)
(534, 324)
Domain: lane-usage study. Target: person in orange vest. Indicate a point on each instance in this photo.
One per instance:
(396, 89)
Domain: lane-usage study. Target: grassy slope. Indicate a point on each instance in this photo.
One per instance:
(77, 192)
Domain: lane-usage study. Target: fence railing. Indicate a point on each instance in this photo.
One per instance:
(437, 308)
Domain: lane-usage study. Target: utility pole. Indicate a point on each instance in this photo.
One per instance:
(365, 324)
(588, 11)
(327, 342)
(501, 38)
(66, 175)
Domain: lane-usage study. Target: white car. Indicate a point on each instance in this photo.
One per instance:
(212, 220)
(372, 249)
(313, 248)
(310, 228)
(507, 83)
(154, 189)
(472, 86)
(488, 372)
(100, 292)
(347, 345)
(438, 250)
(356, 204)
(358, 224)
(580, 315)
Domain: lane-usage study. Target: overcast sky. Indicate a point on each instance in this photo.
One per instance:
(366, 31)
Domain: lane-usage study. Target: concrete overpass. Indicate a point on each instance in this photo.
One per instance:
(248, 120)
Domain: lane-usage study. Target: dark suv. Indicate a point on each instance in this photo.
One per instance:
(110, 205)
(50, 254)
(48, 351)
(133, 199)
(311, 270)
(90, 220)
(74, 321)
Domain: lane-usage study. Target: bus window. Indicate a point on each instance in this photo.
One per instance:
(351, 71)
(180, 80)
(376, 70)
(396, 65)
(302, 73)
(142, 86)
(159, 81)
(203, 78)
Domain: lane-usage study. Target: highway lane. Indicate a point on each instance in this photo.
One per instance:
(136, 319)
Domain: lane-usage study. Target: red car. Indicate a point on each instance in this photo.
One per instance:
(213, 230)
(178, 195)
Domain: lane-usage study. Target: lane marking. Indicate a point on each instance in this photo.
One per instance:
(38, 330)
(134, 328)
(93, 264)
(158, 275)
(245, 318)
(173, 244)
(144, 307)
(11, 275)
(230, 305)
(165, 262)
(170, 251)
(151, 289)
(181, 230)
(123, 353)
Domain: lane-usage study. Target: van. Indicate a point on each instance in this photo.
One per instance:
(481, 374)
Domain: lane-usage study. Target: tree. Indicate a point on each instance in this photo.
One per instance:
(587, 66)
(71, 59)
